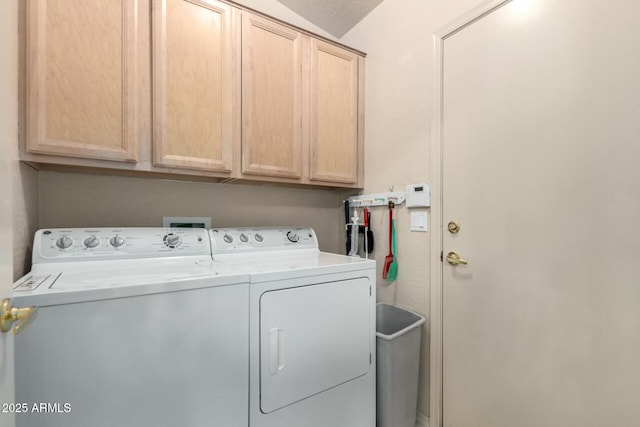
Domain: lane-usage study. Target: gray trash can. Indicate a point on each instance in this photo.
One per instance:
(398, 364)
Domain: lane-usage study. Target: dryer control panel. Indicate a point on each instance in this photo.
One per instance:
(72, 244)
(253, 239)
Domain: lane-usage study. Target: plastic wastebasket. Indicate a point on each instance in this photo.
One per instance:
(398, 364)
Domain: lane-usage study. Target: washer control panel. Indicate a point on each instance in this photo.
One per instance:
(64, 244)
(251, 239)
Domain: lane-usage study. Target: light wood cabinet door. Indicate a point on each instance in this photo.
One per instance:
(272, 107)
(195, 111)
(336, 142)
(81, 78)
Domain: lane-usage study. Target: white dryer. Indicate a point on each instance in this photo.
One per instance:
(312, 328)
(135, 327)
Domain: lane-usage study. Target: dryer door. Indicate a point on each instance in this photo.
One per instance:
(313, 338)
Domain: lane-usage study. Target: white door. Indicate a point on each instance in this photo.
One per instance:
(541, 169)
(8, 143)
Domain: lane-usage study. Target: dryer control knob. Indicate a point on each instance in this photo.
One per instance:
(228, 238)
(293, 236)
(116, 241)
(91, 241)
(244, 238)
(258, 237)
(171, 239)
(64, 242)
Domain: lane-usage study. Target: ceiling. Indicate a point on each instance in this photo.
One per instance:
(336, 17)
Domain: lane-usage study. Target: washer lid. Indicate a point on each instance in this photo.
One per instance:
(92, 281)
(131, 275)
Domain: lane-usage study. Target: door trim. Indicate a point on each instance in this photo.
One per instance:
(435, 264)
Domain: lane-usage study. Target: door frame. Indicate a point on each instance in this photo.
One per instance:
(436, 264)
(9, 51)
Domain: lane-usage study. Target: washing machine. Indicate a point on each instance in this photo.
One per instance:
(311, 328)
(135, 327)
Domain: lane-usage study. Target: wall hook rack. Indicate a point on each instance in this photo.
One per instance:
(378, 199)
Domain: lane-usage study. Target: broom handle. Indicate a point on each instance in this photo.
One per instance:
(393, 239)
(390, 225)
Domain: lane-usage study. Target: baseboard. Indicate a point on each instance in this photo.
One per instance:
(422, 420)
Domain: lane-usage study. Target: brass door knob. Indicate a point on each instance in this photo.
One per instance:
(454, 259)
(453, 227)
(10, 314)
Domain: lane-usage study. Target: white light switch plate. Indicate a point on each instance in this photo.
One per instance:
(419, 221)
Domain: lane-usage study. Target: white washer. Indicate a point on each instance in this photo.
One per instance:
(312, 328)
(135, 327)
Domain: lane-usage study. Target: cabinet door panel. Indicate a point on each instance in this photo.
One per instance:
(272, 110)
(335, 135)
(81, 79)
(194, 107)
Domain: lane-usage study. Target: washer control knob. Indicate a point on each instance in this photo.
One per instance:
(91, 241)
(171, 239)
(116, 241)
(244, 238)
(228, 238)
(258, 237)
(293, 236)
(64, 242)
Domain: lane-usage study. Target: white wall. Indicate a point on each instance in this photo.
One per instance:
(397, 37)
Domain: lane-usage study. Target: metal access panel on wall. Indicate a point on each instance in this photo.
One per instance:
(186, 222)
(312, 338)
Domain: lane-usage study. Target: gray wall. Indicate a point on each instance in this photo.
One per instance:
(25, 215)
(83, 200)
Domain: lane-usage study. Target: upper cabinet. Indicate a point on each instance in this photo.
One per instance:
(302, 106)
(81, 79)
(195, 107)
(273, 134)
(336, 114)
(192, 88)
